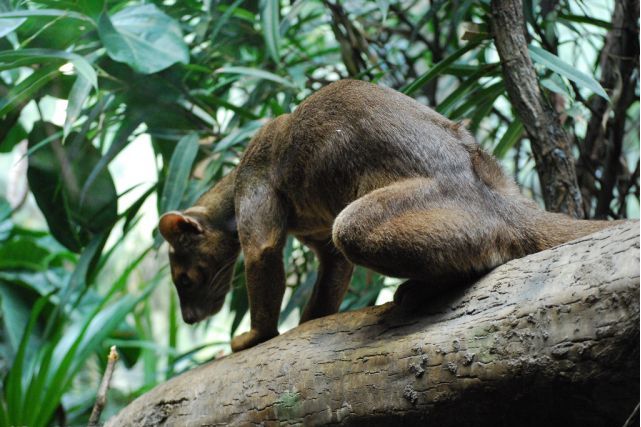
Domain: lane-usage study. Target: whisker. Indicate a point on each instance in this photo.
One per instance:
(225, 266)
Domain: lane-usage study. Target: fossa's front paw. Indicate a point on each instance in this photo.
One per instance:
(250, 339)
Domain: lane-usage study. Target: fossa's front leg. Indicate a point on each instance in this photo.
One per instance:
(261, 219)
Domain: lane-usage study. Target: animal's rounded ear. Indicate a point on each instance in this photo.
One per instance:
(174, 224)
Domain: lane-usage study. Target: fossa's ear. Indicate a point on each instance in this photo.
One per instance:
(173, 225)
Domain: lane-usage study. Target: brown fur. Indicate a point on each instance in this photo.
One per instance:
(363, 175)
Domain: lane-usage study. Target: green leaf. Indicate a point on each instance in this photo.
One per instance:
(127, 127)
(85, 338)
(22, 57)
(144, 38)
(300, 296)
(79, 93)
(581, 19)
(16, 303)
(557, 65)
(256, 73)
(222, 20)
(238, 136)
(269, 17)
(178, 173)
(509, 138)
(20, 93)
(445, 106)
(5, 209)
(23, 254)
(14, 135)
(437, 69)
(56, 174)
(555, 84)
(14, 384)
(56, 13)
(9, 25)
(239, 303)
(478, 99)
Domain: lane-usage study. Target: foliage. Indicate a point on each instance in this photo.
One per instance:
(199, 78)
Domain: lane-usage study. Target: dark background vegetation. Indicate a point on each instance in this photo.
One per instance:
(192, 81)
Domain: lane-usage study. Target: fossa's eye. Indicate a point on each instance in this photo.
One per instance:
(183, 281)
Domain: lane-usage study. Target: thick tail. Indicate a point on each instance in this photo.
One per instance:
(553, 229)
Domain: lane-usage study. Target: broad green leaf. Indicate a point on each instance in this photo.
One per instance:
(23, 254)
(22, 57)
(557, 65)
(16, 303)
(437, 69)
(509, 138)
(178, 173)
(256, 73)
(56, 174)
(269, 17)
(144, 38)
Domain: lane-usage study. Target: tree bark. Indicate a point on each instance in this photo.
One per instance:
(603, 143)
(549, 339)
(550, 145)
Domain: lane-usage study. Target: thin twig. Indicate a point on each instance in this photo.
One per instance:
(101, 398)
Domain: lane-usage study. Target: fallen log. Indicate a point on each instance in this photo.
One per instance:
(549, 339)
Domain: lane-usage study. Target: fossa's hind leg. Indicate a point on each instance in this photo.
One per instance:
(424, 231)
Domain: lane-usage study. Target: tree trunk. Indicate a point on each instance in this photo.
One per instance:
(603, 143)
(550, 145)
(549, 339)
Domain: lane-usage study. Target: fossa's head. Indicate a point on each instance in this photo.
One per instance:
(202, 255)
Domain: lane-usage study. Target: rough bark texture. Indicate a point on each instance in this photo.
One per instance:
(550, 339)
(606, 129)
(550, 144)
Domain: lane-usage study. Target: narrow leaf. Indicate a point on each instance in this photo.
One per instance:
(15, 58)
(178, 174)
(509, 138)
(9, 25)
(256, 73)
(56, 13)
(77, 96)
(269, 17)
(437, 69)
(22, 91)
(557, 65)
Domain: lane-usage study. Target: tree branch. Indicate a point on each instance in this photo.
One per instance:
(549, 339)
(550, 145)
